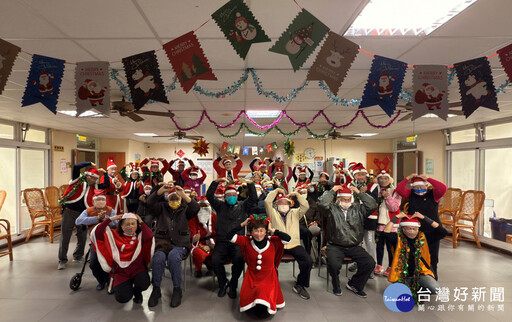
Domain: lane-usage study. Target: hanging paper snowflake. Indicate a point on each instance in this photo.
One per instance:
(201, 147)
(289, 148)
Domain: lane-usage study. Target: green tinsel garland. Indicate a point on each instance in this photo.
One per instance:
(403, 264)
(77, 185)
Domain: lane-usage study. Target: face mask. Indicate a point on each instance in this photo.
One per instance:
(345, 205)
(174, 204)
(258, 193)
(147, 192)
(270, 189)
(411, 234)
(420, 192)
(166, 196)
(204, 215)
(129, 230)
(312, 189)
(258, 237)
(231, 200)
(193, 177)
(283, 208)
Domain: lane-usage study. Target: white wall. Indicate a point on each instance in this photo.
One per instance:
(433, 145)
(68, 141)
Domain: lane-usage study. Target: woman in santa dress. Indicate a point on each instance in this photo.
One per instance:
(262, 255)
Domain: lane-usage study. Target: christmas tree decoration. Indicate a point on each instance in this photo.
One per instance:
(289, 148)
(384, 84)
(188, 60)
(245, 151)
(201, 147)
(239, 26)
(43, 83)
(504, 53)
(333, 61)
(92, 87)
(430, 85)
(8, 53)
(224, 146)
(476, 85)
(300, 39)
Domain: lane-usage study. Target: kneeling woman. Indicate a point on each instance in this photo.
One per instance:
(126, 253)
(262, 255)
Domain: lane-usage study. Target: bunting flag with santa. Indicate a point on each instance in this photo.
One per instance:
(8, 53)
(476, 85)
(92, 86)
(430, 90)
(384, 84)
(333, 61)
(188, 60)
(144, 80)
(239, 26)
(300, 39)
(43, 82)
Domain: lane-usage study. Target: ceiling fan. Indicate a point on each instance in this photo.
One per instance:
(127, 109)
(408, 108)
(180, 135)
(334, 135)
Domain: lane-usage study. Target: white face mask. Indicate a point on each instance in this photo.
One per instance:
(312, 189)
(283, 208)
(193, 177)
(166, 196)
(204, 215)
(345, 205)
(258, 193)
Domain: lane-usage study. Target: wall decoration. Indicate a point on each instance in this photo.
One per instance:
(201, 147)
(430, 88)
(8, 53)
(289, 148)
(245, 151)
(92, 87)
(379, 161)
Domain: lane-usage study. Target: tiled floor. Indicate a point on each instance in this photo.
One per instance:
(31, 289)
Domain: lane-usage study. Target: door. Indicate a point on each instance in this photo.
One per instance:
(117, 157)
(406, 163)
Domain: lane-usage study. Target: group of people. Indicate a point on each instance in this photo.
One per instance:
(146, 224)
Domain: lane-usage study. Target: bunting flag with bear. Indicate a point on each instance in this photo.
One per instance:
(333, 61)
(92, 86)
(239, 26)
(188, 60)
(300, 39)
(384, 84)
(505, 55)
(476, 85)
(8, 53)
(144, 80)
(43, 82)
(430, 88)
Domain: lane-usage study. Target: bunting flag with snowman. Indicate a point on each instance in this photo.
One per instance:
(384, 84)
(430, 90)
(8, 53)
(333, 61)
(476, 85)
(43, 83)
(144, 80)
(239, 26)
(92, 86)
(300, 39)
(188, 60)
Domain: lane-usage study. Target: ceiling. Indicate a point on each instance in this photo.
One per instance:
(110, 30)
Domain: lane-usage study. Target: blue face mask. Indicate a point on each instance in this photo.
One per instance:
(420, 191)
(270, 189)
(231, 200)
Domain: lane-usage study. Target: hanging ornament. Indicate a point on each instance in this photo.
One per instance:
(289, 148)
(201, 147)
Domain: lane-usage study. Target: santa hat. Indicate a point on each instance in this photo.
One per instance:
(181, 162)
(409, 222)
(357, 167)
(202, 200)
(44, 72)
(93, 172)
(427, 85)
(148, 186)
(154, 163)
(111, 164)
(325, 173)
(383, 173)
(281, 196)
(230, 189)
(88, 81)
(344, 192)
(226, 161)
(239, 18)
(260, 164)
(417, 181)
(219, 193)
(279, 169)
(258, 185)
(99, 194)
(129, 215)
(194, 170)
(302, 186)
(384, 74)
(302, 170)
(134, 168)
(187, 189)
(172, 192)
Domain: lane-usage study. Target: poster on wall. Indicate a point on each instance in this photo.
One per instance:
(206, 165)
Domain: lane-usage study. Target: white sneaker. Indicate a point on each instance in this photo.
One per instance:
(61, 266)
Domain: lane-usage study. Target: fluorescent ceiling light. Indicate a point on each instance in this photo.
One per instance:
(84, 114)
(263, 114)
(250, 134)
(366, 134)
(432, 115)
(405, 17)
(185, 140)
(145, 134)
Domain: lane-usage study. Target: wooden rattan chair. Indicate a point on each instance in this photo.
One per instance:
(5, 226)
(63, 189)
(40, 214)
(450, 205)
(52, 195)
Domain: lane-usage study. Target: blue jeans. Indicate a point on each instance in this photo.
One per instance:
(174, 259)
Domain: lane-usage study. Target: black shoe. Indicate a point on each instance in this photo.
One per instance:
(100, 287)
(354, 289)
(232, 292)
(222, 291)
(155, 295)
(198, 274)
(176, 297)
(209, 273)
(299, 289)
(337, 292)
(137, 298)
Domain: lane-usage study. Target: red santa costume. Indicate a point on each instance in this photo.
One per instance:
(113, 191)
(232, 174)
(153, 178)
(80, 190)
(204, 223)
(384, 87)
(45, 82)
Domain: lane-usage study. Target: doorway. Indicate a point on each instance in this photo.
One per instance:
(407, 162)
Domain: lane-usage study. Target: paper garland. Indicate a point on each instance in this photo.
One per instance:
(92, 87)
(239, 26)
(8, 53)
(300, 39)
(188, 60)
(144, 80)
(384, 84)
(430, 85)
(476, 85)
(43, 82)
(333, 61)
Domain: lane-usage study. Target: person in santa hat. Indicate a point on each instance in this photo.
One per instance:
(126, 253)
(78, 197)
(305, 234)
(259, 207)
(302, 174)
(411, 261)
(344, 233)
(115, 188)
(340, 176)
(389, 206)
(287, 220)
(424, 194)
(260, 166)
(154, 175)
(177, 175)
(191, 178)
(226, 170)
(172, 237)
(203, 240)
(230, 213)
(281, 174)
(133, 188)
(219, 193)
(313, 219)
(143, 210)
(90, 217)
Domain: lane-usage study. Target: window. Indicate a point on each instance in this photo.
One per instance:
(6, 131)
(499, 131)
(463, 136)
(463, 170)
(34, 135)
